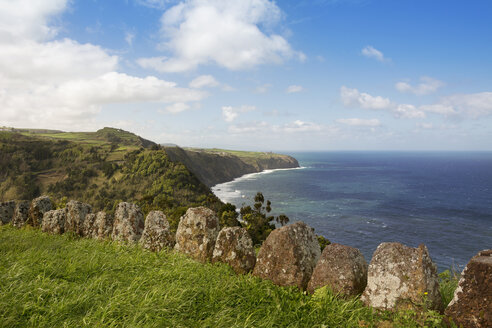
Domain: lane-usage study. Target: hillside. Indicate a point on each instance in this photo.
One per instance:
(100, 168)
(213, 166)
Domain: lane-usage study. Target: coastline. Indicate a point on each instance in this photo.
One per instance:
(222, 190)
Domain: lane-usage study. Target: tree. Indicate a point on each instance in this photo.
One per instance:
(257, 220)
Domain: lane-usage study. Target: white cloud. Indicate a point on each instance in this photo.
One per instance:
(294, 89)
(226, 33)
(408, 111)
(359, 122)
(474, 105)
(250, 127)
(371, 52)
(426, 126)
(177, 108)
(354, 98)
(129, 37)
(230, 113)
(427, 86)
(296, 126)
(300, 126)
(62, 83)
(204, 81)
(263, 88)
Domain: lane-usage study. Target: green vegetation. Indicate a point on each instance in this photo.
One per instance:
(100, 168)
(59, 281)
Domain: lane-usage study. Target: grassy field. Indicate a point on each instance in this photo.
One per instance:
(61, 281)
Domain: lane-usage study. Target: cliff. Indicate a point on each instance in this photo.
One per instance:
(214, 166)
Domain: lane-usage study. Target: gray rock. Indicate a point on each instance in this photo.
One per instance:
(88, 226)
(103, 226)
(402, 277)
(342, 268)
(21, 213)
(288, 256)
(472, 302)
(76, 214)
(235, 247)
(39, 206)
(54, 221)
(197, 233)
(156, 234)
(6, 212)
(128, 223)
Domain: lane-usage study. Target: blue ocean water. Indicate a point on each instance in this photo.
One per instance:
(361, 199)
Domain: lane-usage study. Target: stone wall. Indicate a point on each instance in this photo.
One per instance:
(397, 276)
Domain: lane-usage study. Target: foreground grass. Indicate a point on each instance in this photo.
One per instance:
(59, 281)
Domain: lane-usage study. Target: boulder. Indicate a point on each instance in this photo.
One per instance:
(6, 212)
(39, 206)
(128, 223)
(88, 226)
(76, 213)
(342, 268)
(156, 234)
(235, 247)
(54, 221)
(103, 226)
(197, 233)
(472, 302)
(21, 213)
(288, 256)
(402, 277)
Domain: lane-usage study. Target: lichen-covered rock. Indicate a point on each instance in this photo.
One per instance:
(21, 213)
(88, 226)
(197, 233)
(472, 302)
(76, 214)
(156, 234)
(128, 223)
(103, 226)
(235, 247)
(402, 277)
(6, 212)
(342, 268)
(39, 206)
(288, 256)
(54, 221)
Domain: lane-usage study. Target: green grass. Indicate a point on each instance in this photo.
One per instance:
(59, 281)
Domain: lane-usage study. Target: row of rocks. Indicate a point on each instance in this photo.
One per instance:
(397, 277)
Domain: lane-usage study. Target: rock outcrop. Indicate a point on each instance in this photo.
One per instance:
(235, 247)
(128, 223)
(288, 256)
(197, 233)
(6, 212)
(156, 234)
(76, 214)
(103, 226)
(342, 268)
(21, 213)
(402, 277)
(472, 302)
(54, 221)
(88, 225)
(39, 206)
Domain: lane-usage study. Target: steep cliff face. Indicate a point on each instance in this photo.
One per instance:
(217, 166)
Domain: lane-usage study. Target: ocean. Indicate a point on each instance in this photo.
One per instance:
(361, 199)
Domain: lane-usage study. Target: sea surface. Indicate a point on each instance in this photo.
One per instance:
(360, 199)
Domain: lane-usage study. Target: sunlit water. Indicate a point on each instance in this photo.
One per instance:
(361, 199)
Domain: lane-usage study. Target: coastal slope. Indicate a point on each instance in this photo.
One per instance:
(214, 166)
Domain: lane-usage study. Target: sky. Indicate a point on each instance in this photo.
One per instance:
(253, 74)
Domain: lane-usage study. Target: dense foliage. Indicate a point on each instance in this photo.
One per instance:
(58, 281)
(99, 171)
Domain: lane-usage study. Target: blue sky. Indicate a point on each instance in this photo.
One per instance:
(253, 74)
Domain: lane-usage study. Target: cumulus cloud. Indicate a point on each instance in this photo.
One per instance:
(294, 89)
(62, 83)
(230, 113)
(359, 122)
(204, 81)
(226, 33)
(427, 86)
(371, 52)
(177, 108)
(474, 105)
(300, 126)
